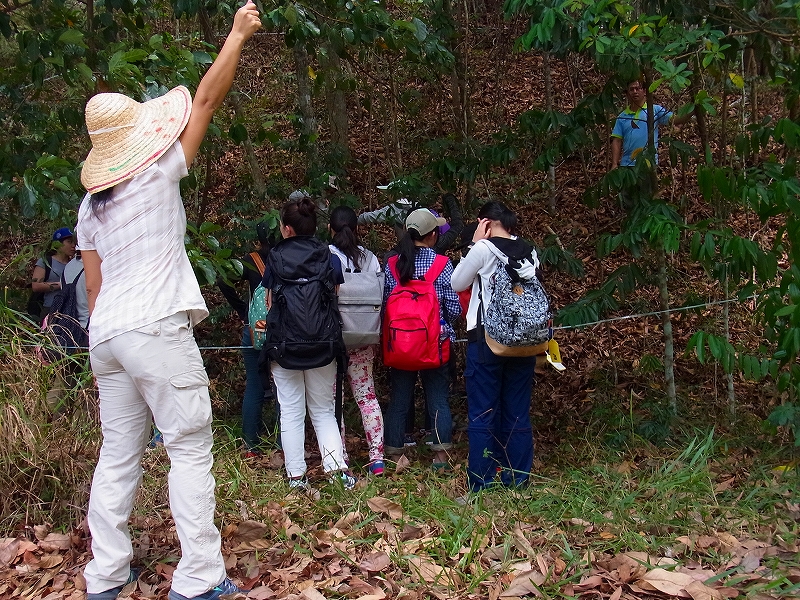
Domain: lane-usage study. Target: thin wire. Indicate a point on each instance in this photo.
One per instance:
(557, 328)
(651, 314)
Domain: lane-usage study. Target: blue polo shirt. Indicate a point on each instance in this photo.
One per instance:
(631, 128)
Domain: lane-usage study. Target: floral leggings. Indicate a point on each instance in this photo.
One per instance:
(359, 372)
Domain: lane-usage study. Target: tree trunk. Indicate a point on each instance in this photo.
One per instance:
(699, 112)
(666, 324)
(397, 149)
(259, 185)
(336, 103)
(723, 136)
(548, 96)
(651, 144)
(308, 130)
(729, 376)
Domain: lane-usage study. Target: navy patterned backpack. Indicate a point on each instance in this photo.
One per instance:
(517, 321)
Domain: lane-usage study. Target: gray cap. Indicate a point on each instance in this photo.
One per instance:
(298, 195)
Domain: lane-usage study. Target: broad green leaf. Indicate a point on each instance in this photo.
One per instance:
(737, 80)
(72, 36)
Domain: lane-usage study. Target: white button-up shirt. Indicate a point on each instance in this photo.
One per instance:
(139, 235)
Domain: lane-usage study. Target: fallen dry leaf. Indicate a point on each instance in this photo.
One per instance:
(402, 464)
(8, 552)
(525, 584)
(668, 582)
(375, 562)
(247, 531)
(384, 505)
(348, 520)
(55, 542)
(588, 583)
(261, 592)
(699, 591)
(430, 572)
(312, 594)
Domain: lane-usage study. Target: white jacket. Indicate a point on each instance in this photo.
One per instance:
(477, 268)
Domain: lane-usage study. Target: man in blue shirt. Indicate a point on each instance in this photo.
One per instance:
(629, 136)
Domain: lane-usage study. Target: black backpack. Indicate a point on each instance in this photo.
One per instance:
(35, 303)
(304, 328)
(62, 325)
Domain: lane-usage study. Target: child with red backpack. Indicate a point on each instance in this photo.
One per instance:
(419, 309)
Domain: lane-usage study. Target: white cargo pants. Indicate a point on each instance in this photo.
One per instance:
(154, 369)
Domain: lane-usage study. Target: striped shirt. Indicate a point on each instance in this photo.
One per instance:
(139, 235)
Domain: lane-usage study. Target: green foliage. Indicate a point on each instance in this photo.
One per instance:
(787, 415)
(208, 258)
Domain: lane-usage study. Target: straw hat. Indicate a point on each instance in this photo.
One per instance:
(129, 136)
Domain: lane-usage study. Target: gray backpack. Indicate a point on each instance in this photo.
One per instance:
(517, 320)
(360, 301)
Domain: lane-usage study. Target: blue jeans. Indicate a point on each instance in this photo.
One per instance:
(436, 385)
(498, 409)
(253, 401)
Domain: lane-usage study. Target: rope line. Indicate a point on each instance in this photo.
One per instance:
(556, 328)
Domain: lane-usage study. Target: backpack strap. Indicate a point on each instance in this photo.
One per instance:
(432, 274)
(392, 263)
(258, 262)
(439, 263)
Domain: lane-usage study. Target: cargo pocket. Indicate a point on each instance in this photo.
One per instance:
(192, 401)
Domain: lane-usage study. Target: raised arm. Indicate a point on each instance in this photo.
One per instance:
(218, 79)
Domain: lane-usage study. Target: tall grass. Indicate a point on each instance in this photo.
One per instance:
(46, 459)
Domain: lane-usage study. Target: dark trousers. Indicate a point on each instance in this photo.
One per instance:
(498, 409)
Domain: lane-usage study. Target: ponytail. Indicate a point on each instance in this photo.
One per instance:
(343, 222)
(407, 254)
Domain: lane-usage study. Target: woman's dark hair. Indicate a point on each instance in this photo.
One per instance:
(300, 215)
(343, 224)
(101, 198)
(497, 211)
(407, 254)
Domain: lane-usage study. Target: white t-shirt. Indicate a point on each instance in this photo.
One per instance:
(139, 236)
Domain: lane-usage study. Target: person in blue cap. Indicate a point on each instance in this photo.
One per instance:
(46, 279)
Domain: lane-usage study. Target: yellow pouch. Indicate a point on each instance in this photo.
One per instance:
(554, 356)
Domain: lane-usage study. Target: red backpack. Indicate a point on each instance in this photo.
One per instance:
(412, 331)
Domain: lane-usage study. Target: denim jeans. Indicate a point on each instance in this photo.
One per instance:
(253, 401)
(435, 382)
(498, 409)
(154, 369)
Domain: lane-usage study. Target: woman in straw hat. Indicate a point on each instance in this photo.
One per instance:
(144, 301)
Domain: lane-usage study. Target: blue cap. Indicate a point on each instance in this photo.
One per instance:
(63, 233)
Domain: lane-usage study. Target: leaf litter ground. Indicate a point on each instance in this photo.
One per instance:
(650, 526)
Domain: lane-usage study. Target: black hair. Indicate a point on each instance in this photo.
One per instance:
(497, 211)
(300, 215)
(407, 254)
(101, 198)
(343, 222)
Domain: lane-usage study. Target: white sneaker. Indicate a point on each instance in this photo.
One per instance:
(346, 479)
(300, 484)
